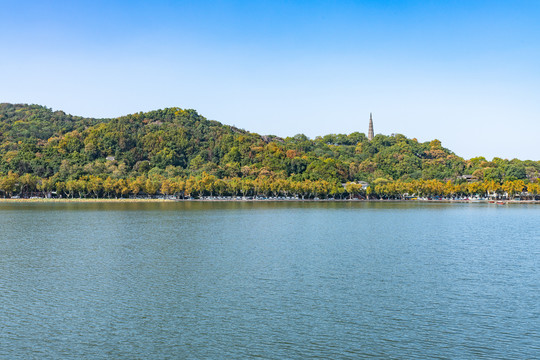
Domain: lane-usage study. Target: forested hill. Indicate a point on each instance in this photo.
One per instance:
(176, 142)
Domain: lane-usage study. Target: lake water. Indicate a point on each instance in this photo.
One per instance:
(269, 280)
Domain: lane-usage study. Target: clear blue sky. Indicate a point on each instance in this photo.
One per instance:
(465, 72)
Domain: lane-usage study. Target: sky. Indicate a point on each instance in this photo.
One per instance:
(464, 72)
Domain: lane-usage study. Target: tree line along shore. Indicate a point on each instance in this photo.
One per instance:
(177, 152)
(209, 186)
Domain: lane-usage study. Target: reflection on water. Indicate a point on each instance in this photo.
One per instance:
(272, 280)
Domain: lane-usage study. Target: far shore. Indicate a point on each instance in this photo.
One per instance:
(157, 200)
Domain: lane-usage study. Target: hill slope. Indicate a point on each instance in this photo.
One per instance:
(177, 142)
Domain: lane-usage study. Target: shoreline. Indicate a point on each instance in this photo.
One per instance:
(79, 200)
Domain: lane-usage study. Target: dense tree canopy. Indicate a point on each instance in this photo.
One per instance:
(156, 151)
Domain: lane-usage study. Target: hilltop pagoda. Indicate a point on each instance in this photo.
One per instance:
(370, 131)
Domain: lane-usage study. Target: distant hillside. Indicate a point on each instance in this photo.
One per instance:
(177, 142)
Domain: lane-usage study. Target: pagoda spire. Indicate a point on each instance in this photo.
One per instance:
(370, 131)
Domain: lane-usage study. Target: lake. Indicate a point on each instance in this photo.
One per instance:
(273, 280)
